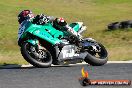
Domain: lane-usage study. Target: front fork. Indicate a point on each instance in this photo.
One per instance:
(91, 45)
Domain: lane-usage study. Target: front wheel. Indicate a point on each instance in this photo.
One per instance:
(97, 55)
(36, 57)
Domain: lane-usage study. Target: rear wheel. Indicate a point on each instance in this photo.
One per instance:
(97, 55)
(38, 57)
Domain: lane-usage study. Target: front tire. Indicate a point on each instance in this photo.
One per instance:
(38, 58)
(97, 61)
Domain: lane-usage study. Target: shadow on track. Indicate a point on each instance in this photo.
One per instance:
(16, 66)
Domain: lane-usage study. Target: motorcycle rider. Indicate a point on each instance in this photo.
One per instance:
(59, 23)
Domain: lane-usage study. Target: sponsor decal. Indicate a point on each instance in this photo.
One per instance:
(85, 80)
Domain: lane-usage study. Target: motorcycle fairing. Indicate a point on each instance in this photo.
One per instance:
(47, 31)
(76, 26)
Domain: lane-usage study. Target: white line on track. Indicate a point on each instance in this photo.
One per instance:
(120, 61)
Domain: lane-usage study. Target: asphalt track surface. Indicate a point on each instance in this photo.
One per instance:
(62, 76)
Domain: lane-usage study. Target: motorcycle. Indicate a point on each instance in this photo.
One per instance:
(42, 45)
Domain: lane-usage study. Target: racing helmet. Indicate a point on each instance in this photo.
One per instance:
(25, 14)
(59, 23)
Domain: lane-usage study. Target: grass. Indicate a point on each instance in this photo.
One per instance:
(96, 15)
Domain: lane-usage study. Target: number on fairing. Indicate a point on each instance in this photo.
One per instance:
(21, 31)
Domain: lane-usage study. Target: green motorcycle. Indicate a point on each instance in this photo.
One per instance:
(43, 45)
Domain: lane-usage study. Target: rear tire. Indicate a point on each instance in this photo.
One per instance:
(33, 59)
